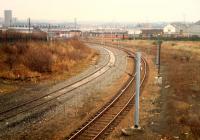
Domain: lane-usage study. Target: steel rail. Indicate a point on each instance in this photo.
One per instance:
(46, 95)
(75, 135)
(125, 106)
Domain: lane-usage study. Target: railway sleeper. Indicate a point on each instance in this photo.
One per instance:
(83, 138)
(102, 123)
(104, 120)
(112, 114)
(119, 106)
(91, 133)
(107, 117)
(88, 135)
(123, 101)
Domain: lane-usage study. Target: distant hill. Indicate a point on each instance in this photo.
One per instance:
(198, 22)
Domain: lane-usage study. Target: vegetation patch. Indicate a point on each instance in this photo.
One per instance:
(39, 59)
(176, 113)
(179, 103)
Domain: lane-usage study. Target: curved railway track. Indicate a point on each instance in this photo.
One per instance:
(42, 100)
(97, 125)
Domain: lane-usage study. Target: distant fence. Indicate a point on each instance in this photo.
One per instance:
(179, 38)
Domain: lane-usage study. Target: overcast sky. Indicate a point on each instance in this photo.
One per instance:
(104, 10)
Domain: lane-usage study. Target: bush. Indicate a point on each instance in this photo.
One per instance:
(11, 58)
(10, 50)
(28, 59)
(21, 48)
(154, 43)
(39, 59)
(173, 44)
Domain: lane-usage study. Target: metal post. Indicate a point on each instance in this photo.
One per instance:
(102, 37)
(29, 28)
(159, 46)
(48, 33)
(118, 42)
(75, 23)
(29, 25)
(158, 54)
(138, 65)
(111, 34)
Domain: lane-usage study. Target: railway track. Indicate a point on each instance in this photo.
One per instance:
(29, 105)
(97, 125)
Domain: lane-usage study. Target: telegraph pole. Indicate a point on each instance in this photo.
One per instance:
(75, 28)
(159, 42)
(29, 28)
(102, 37)
(75, 23)
(111, 32)
(49, 34)
(118, 38)
(29, 25)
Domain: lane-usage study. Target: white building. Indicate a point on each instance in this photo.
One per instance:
(194, 30)
(7, 18)
(134, 31)
(182, 29)
(169, 29)
(175, 29)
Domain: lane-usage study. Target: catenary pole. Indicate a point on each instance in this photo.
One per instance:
(138, 67)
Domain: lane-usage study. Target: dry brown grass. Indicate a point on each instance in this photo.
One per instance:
(179, 104)
(23, 60)
(181, 69)
(183, 73)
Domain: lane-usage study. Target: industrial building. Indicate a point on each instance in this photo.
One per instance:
(182, 30)
(148, 33)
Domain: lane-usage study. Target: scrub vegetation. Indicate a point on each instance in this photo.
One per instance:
(35, 59)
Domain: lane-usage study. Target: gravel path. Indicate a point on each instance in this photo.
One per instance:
(75, 99)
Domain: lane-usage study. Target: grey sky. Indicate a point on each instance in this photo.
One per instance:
(104, 10)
